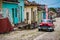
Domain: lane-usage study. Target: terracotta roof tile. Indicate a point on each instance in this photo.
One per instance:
(27, 3)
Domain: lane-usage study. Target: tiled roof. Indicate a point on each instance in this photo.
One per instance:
(27, 3)
(41, 7)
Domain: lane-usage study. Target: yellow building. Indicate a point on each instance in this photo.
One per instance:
(30, 12)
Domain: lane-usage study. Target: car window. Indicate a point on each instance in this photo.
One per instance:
(46, 21)
(49, 21)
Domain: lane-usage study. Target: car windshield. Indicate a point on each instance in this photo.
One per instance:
(46, 21)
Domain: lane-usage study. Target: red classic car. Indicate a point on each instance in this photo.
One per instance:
(46, 24)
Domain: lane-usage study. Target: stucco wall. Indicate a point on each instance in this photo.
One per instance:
(22, 5)
(40, 16)
(9, 6)
(28, 9)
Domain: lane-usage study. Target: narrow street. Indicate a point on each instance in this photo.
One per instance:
(18, 18)
(33, 34)
(51, 35)
(21, 35)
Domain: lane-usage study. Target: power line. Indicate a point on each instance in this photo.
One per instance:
(49, 4)
(54, 3)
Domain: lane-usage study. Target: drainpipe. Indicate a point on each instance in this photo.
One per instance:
(46, 9)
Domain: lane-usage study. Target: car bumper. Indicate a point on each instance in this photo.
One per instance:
(45, 28)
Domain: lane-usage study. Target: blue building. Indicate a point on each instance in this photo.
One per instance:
(44, 15)
(14, 9)
(43, 11)
(21, 11)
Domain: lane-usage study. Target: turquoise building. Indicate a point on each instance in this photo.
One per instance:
(44, 15)
(21, 11)
(14, 10)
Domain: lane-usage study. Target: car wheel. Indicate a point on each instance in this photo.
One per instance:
(39, 29)
(52, 29)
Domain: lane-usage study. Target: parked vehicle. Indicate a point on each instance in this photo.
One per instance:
(46, 24)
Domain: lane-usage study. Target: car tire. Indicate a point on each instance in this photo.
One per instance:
(39, 29)
(52, 29)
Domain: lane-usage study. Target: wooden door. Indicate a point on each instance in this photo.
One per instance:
(44, 15)
(20, 13)
(27, 16)
(31, 15)
(13, 14)
(34, 16)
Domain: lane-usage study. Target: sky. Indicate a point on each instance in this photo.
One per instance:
(49, 3)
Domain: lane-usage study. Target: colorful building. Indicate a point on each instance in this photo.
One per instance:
(9, 9)
(14, 10)
(30, 12)
(44, 11)
(41, 13)
(21, 11)
(40, 17)
(58, 12)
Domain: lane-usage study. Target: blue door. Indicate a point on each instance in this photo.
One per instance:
(21, 12)
(14, 15)
(44, 15)
(21, 17)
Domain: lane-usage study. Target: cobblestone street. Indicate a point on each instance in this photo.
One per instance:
(33, 34)
(29, 19)
(51, 35)
(21, 35)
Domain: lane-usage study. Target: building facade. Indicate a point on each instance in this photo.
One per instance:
(10, 10)
(58, 12)
(30, 12)
(21, 11)
(14, 10)
(41, 13)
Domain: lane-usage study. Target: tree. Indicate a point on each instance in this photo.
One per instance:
(52, 9)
